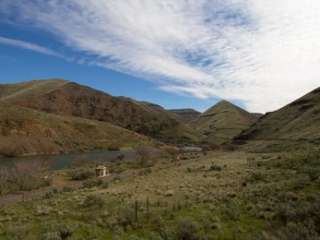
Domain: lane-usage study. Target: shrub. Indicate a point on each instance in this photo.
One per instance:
(255, 177)
(126, 217)
(105, 185)
(92, 183)
(297, 231)
(28, 183)
(212, 147)
(144, 156)
(9, 153)
(48, 195)
(297, 162)
(145, 172)
(300, 211)
(52, 236)
(215, 167)
(228, 147)
(313, 173)
(113, 148)
(231, 211)
(187, 229)
(79, 175)
(171, 151)
(93, 201)
(16, 179)
(67, 189)
(57, 232)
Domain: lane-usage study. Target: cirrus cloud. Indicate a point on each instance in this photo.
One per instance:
(29, 46)
(263, 53)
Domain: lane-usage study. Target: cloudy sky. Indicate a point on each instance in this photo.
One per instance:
(259, 54)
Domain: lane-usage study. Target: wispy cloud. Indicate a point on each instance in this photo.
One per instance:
(29, 46)
(264, 53)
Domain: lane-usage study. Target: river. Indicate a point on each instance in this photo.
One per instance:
(59, 162)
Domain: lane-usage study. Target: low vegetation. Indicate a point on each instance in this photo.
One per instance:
(23, 177)
(81, 174)
(236, 196)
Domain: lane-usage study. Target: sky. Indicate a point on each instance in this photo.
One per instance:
(259, 54)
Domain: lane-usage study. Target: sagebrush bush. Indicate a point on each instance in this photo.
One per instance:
(187, 229)
(93, 201)
(67, 189)
(92, 183)
(13, 180)
(230, 211)
(57, 232)
(126, 217)
(255, 177)
(215, 167)
(113, 148)
(295, 231)
(79, 175)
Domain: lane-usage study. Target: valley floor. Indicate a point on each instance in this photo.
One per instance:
(216, 195)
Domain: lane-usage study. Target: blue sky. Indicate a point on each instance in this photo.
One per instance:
(20, 64)
(258, 54)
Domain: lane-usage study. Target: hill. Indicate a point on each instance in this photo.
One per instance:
(186, 115)
(223, 122)
(71, 99)
(25, 131)
(300, 120)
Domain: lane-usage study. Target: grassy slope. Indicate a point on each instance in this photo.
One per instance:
(298, 120)
(274, 197)
(26, 131)
(173, 130)
(28, 89)
(186, 115)
(70, 99)
(196, 193)
(222, 122)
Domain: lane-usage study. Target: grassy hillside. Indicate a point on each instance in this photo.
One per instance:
(299, 120)
(186, 115)
(28, 132)
(222, 122)
(10, 92)
(71, 99)
(223, 195)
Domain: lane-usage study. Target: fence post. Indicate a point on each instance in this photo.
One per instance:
(148, 208)
(136, 206)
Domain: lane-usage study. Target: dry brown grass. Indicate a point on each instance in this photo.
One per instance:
(27, 132)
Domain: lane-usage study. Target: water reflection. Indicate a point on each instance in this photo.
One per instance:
(59, 162)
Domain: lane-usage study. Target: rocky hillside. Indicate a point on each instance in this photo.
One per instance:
(222, 122)
(71, 99)
(25, 131)
(186, 115)
(299, 120)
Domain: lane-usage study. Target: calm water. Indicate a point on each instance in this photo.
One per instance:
(59, 162)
